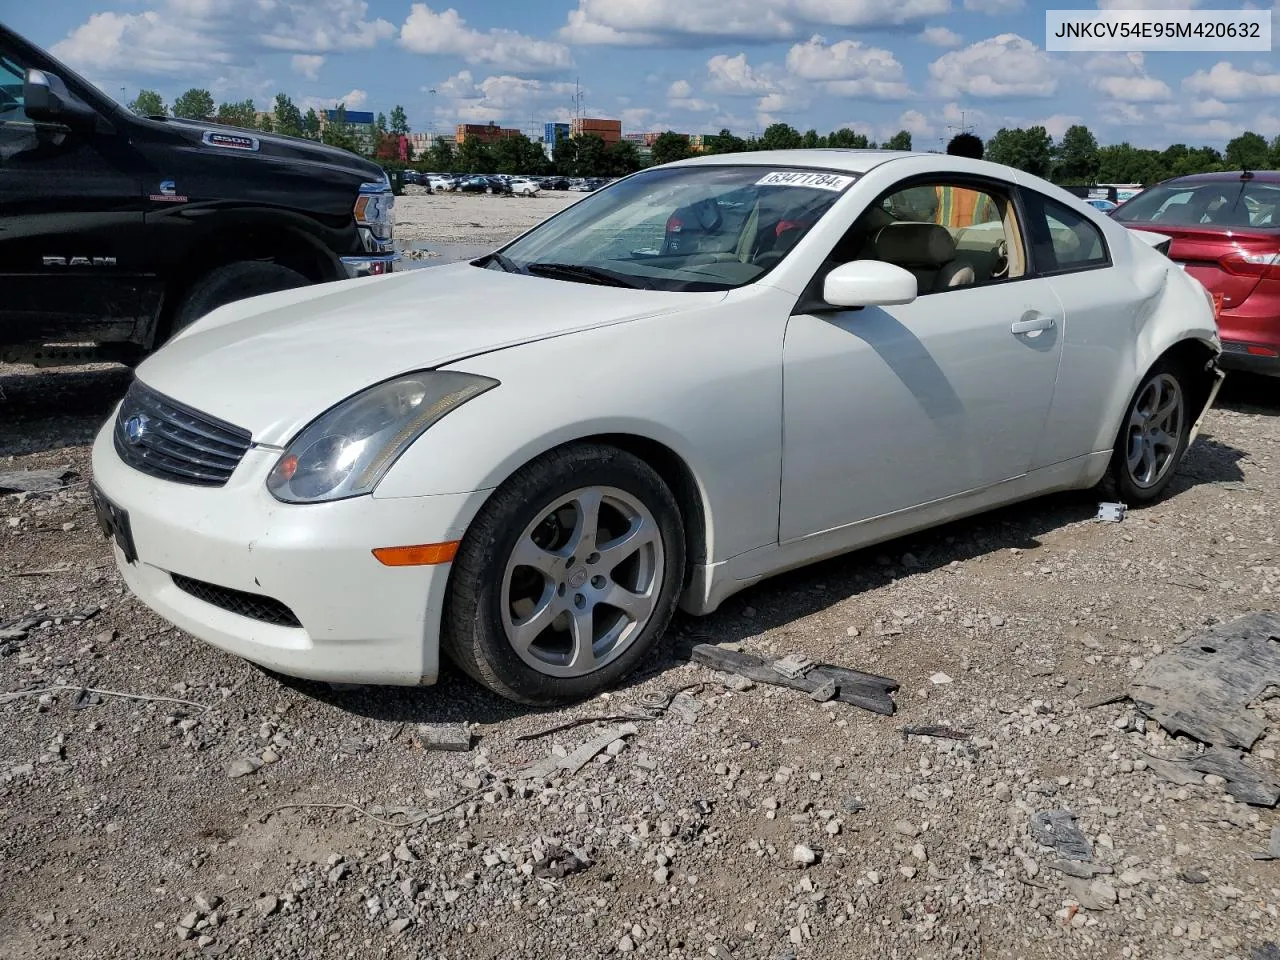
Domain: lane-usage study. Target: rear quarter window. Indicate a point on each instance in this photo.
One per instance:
(1063, 240)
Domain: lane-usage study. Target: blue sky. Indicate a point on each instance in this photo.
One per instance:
(929, 66)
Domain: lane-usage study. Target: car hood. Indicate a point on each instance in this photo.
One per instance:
(272, 363)
(268, 145)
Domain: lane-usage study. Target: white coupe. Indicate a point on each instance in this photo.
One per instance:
(702, 375)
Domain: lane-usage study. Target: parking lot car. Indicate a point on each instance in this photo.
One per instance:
(1225, 229)
(119, 230)
(524, 188)
(339, 483)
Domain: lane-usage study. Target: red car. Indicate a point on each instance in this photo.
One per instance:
(1226, 233)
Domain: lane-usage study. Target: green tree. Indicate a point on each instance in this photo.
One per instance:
(380, 127)
(671, 146)
(1275, 153)
(441, 157)
(267, 122)
(474, 156)
(1124, 163)
(1030, 150)
(195, 104)
(811, 140)
(780, 136)
(584, 156)
(724, 142)
(518, 154)
(311, 124)
(287, 115)
(846, 139)
(621, 158)
(1249, 151)
(399, 122)
(899, 141)
(148, 104)
(242, 114)
(1076, 157)
(337, 132)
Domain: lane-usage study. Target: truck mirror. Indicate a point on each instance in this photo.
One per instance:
(48, 99)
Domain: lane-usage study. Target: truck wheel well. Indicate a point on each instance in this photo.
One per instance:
(274, 244)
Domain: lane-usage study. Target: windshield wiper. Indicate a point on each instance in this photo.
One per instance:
(576, 271)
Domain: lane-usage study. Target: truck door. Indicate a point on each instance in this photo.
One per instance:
(71, 211)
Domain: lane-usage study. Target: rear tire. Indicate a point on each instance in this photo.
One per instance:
(568, 576)
(1153, 435)
(231, 282)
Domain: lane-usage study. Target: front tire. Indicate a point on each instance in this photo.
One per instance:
(568, 576)
(1153, 435)
(231, 282)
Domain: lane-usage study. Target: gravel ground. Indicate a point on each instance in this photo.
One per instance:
(159, 828)
(474, 217)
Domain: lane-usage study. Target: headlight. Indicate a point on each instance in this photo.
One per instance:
(347, 450)
(373, 209)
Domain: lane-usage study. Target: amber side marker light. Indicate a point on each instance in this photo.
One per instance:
(422, 555)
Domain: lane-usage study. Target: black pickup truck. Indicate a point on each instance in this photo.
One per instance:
(118, 230)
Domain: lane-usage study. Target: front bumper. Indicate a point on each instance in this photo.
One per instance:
(369, 265)
(358, 621)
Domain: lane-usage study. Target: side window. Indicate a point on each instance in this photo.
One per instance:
(1065, 240)
(11, 102)
(948, 235)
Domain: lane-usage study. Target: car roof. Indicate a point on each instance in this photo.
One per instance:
(1266, 176)
(852, 161)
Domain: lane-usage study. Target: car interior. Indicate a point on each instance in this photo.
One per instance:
(903, 229)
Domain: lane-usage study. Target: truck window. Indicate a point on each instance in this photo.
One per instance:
(11, 78)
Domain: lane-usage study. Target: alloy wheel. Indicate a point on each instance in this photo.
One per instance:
(1155, 430)
(582, 581)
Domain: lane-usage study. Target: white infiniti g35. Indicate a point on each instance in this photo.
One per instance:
(704, 374)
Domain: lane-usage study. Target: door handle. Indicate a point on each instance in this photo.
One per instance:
(1033, 322)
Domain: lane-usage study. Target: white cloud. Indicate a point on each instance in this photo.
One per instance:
(680, 89)
(654, 22)
(733, 75)
(352, 100)
(941, 37)
(500, 98)
(1004, 66)
(1057, 124)
(994, 7)
(428, 32)
(849, 69)
(1133, 89)
(779, 107)
(306, 64)
(916, 124)
(680, 97)
(1196, 109)
(195, 39)
(1147, 4)
(1225, 81)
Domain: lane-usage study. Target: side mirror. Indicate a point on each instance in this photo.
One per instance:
(48, 99)
(869, 283)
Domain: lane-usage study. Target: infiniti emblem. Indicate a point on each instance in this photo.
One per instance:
(135, 428)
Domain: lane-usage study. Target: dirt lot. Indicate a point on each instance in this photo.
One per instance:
(154, 828)
(474, 217)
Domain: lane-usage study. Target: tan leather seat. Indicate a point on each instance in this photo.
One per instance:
(926, 250)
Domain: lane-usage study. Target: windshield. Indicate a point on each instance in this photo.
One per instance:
(1232, 203)
(695, 228)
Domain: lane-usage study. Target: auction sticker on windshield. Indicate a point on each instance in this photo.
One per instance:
(796, 178)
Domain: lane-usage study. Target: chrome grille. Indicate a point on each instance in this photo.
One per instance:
(166, 439)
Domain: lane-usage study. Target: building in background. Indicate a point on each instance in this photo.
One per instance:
(359, 125)
(422, 142)
(486, 133)
(553, 133)
(697, 142)
(610, 131)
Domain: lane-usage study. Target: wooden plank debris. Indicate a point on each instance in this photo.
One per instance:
(865, 690)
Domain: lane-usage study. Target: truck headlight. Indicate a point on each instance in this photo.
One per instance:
(373, 209)
(345, 451)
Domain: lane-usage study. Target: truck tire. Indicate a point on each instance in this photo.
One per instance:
(231, 282)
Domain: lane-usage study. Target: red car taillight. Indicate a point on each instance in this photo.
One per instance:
(674, 225)
(1244, 263)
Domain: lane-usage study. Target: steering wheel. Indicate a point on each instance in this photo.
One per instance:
(1001, 267)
